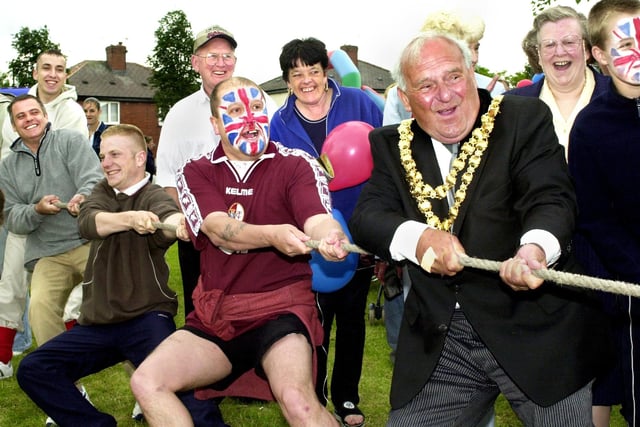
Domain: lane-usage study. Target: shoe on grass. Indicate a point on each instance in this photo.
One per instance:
(50, 423)
(341, 412)
(84, 393)
(137, 414)
(6, 370)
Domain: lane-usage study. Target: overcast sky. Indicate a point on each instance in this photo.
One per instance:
(379, 29)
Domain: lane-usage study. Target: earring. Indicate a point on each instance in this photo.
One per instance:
(326, 86)
(290, 91)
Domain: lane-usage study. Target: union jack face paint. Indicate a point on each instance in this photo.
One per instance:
(625, 49)
(245, 119)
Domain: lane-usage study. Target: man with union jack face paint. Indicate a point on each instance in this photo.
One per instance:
(250, 205)
(246, 123)
(603, 158)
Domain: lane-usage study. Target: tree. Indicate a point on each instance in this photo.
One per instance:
(4, 80)
(513, 79)
(172, 75)
(28, 43)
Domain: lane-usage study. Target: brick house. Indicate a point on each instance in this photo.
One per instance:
(122, 87)
(127, 97)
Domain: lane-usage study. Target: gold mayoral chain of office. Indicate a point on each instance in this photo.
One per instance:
(472, 150)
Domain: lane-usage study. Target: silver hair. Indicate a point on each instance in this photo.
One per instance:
(413, 50)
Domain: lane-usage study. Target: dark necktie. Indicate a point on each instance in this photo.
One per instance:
(454, 153)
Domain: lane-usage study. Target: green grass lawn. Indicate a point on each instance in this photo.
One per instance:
(109, 390)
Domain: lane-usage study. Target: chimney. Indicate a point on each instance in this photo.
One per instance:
(352, 51)
(117, 57)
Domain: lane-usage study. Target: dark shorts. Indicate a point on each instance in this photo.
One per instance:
(247, 350)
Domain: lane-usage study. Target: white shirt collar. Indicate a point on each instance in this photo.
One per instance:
(135, 187)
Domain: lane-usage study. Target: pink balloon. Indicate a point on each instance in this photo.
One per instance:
(524, 82)
(348, 151)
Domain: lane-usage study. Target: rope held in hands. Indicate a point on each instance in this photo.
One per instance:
(349, 247)
(313, 244)
(559, 277)
(158, 225)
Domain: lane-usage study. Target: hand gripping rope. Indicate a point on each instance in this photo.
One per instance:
(558, 277)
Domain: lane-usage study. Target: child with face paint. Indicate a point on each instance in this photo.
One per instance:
(603, 157)
(250, 206)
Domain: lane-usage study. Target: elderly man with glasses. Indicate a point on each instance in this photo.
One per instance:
(187, 132)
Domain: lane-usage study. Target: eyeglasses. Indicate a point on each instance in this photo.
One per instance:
(570, 44)
(212, 58)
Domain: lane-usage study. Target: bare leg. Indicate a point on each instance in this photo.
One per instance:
(181, 362)
(288, 365)
(601, 415)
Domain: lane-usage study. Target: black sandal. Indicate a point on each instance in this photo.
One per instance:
(348, 408)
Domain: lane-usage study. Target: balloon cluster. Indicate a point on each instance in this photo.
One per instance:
(346, 156)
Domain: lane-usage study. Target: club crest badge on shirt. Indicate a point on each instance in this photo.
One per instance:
(236, 211)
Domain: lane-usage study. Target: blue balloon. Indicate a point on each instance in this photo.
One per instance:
(330, 276)
(375, 96)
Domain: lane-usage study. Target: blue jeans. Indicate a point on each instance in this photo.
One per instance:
(49, 373)
(23, 340)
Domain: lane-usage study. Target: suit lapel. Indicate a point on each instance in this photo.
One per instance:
(457, 224)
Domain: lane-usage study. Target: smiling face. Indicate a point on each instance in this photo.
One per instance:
(242, 121)
(122, 160)
(563, 61)
(29, 120)
(51, 75)
(308, 83)
(220, 70)
(441, 91)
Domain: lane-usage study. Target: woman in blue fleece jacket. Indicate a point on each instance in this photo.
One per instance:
(315, 106)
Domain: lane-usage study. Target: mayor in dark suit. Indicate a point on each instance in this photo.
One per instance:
(468, 335)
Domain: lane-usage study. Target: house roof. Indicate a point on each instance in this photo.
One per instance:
(96, 78)
(118, 80)
(377, 78)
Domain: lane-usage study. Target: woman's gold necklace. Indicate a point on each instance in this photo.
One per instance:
(473, 150)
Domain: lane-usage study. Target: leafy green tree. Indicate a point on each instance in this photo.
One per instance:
(486, 72)
(4, 80)
(172, 75)
(520, 75)
(28, 43)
